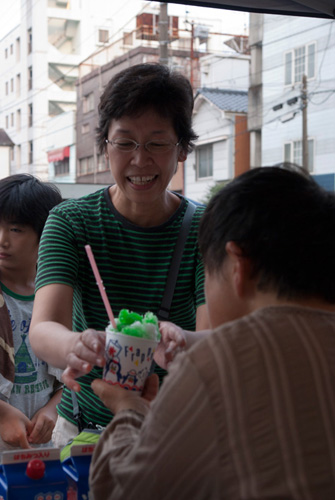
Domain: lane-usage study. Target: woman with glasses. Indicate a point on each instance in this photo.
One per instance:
(132, 226)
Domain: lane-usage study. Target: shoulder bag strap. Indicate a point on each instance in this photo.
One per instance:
(164, 310)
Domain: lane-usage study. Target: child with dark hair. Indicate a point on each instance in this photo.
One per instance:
(248, 410)
(29, 389)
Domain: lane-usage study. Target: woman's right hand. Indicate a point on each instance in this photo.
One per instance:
(88, 350)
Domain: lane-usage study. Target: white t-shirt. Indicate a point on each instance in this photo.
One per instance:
(34, 379)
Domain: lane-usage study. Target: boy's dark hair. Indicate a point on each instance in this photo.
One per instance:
(143, 87)
(284, 222)
(24, 199)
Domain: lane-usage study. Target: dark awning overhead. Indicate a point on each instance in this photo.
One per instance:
(311, 8)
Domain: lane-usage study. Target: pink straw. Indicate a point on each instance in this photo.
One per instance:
(100, 284)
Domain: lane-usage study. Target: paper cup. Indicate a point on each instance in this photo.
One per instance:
(128, 360)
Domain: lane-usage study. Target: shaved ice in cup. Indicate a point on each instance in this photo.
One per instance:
(130, 349)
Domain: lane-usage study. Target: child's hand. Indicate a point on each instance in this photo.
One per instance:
(43, 423)
(15, 427)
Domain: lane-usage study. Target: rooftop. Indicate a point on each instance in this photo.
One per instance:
(226, 99)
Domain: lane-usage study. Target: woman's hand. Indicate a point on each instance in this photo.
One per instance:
(117, 399)
(88, 350)
(173, 339)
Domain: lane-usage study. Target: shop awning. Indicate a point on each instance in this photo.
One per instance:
(58, 154)
(313, 8)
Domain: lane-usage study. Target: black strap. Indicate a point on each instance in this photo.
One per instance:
(164, 310)
(77, 415)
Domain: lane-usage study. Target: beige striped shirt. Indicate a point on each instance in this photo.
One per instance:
(247, 413)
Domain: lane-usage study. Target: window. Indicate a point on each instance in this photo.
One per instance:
(18, 119)
(86, 165)
(30, 115)
(293, 153)
(18, 85)
(30, 152)
(30, 77)
(127, 38)
(18, 155)
(11, 49)
(7, 121)
(204, 155)
(85, 128)
(88, 102)
(103, 36)
(12, 119)
(12, 154)
(62, 167)
(298, 62)
(18, 49)
(12, 84)
(29, 41)
(6, 87)
(6, 53)
(102, 163)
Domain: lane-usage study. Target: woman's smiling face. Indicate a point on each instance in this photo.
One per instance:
(142, 176)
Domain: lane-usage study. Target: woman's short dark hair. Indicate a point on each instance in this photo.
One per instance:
(148, 86)
(24, 199)
(284, 222)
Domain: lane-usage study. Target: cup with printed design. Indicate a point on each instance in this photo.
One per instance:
(130, 349)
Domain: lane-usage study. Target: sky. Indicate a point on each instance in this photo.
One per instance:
(231, 22)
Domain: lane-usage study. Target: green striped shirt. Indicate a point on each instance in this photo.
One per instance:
(133, 262)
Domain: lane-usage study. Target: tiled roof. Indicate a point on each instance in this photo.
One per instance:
(4, 139)
(225, 99)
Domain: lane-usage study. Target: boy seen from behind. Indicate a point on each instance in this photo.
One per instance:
(247, 410)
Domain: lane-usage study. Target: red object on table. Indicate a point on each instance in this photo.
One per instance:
(35, 468)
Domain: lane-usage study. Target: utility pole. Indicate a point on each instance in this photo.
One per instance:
(191, 23)
(163, 33)
(304, 124)
(192, 52)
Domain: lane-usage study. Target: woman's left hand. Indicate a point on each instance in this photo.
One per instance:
(173, 340)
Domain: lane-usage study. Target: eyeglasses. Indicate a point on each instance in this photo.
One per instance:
(128, 145)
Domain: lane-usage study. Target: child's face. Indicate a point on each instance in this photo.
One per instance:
(18, 246)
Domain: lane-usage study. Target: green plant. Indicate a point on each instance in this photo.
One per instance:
(213, 190)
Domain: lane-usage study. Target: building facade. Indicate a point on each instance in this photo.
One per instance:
(292, 95)
(220, 119)
(222, 148)
(40, 59)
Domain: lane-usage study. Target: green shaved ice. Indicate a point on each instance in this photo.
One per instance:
(127, 318)
(150, 317)
(133, 324)
(135, 330)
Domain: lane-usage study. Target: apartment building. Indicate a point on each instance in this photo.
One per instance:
(39, 60)
(292, 95)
